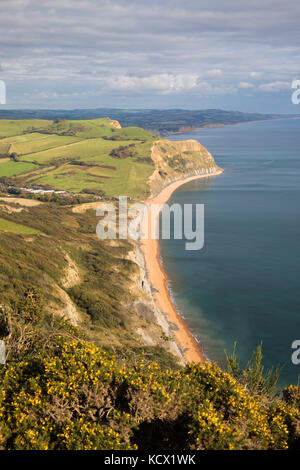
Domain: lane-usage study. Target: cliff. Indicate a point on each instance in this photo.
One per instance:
(143, 303)
(114, 123)
(177, 160)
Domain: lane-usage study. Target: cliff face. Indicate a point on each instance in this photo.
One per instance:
(157, 331)
(176, 160)
(115, 124)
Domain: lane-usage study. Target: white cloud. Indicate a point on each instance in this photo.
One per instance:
(163, 83)
(275, 86)
(214, 73)
(147, 49)
(256, 75)
(245, 85)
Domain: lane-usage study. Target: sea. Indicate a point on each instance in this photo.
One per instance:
(243, 286)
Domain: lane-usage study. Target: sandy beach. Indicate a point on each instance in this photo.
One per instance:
(157, 277)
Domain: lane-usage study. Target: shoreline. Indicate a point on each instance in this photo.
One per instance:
(190, 347)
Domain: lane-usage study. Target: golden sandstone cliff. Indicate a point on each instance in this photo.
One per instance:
(177, 160)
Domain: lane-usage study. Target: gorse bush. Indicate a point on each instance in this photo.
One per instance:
(58, 391)
(77, 396)
(30, 308)
(254, 376)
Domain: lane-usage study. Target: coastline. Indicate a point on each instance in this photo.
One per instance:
(191, 349)
(188, 130)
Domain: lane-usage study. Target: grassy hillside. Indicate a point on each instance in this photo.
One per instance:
(90, 282)
(12, 227)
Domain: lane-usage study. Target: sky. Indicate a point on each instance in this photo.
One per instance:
(191, 54)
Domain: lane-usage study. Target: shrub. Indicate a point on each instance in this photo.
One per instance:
(30, 308)
(77, 396)
(254, 376)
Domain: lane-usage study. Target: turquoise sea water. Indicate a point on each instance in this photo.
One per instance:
(244, 285)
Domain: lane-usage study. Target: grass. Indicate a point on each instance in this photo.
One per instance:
(16, 127)
(48, 151)
(85, 155)
(103, 294)
(69, 178)
(12, 227)
(10, 168)
(124, 178)
(20, 201)
(36, 142)
(85, 150)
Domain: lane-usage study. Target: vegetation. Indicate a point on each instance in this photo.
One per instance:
(177, 162)
(12, 227)
(10, 168)
(36, 249)
(76, 156)
(59, 391)
(78, 374)
(258, 381)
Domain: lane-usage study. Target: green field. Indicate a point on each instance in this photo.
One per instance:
(16, 127)
(10, 168)
(75, 156)
(12, 227)
(36, 142)
(82, 150)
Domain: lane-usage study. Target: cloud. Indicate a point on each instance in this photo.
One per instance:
(169, 48)
(256, 75)
(214, 73)
(275, 86)
(164, 83)
(245, 85)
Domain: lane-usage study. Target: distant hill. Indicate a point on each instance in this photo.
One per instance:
(162, 122)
